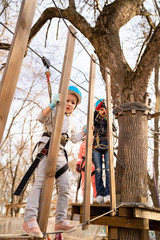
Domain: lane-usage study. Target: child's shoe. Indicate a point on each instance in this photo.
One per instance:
(99, 200)
(64, 226)
(107, 199)
(32, 229)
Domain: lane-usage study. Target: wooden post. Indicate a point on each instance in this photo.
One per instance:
(14, 60)
(88, 157)
(56, 134)
(112, 233)
(110, 140)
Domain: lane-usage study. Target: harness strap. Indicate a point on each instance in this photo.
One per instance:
(92, 173)
(34, 165)
(31, 169)
(61, 171)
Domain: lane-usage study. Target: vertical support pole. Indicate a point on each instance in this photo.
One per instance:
(112, 233)
(110, 140)
(14, 60)
(88, 157)
(47, 189)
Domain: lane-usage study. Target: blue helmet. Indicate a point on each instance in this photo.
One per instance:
(76, 92)
(98, 101)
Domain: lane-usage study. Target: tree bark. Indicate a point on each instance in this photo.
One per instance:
(131, 181)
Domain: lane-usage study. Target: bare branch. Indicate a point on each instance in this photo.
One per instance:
(147, 61)
(72, 4)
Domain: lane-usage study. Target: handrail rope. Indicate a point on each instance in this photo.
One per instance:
(89, 221)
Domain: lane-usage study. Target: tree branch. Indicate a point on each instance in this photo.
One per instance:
(69, 13)
(147, 62)
(118, 13)
(4, 46)
(72, 4)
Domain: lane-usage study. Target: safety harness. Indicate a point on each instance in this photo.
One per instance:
(83, 168)
(43, 152)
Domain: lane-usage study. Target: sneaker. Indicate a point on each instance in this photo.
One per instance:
(94, 200)
(107, 199)
(32, 229)
(99, 200)
(64, 226)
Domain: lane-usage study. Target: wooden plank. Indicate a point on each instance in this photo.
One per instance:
(125, 212)
(15, 236)
(56, 137)
(144, 213)
(88, 157)
(121, 222)
(14, 60)
(110, 141)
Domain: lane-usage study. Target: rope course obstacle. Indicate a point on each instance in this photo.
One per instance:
(136, 216)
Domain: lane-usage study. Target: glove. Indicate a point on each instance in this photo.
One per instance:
(100, 105)
(85, 129)
(78, 167)
(56, 99)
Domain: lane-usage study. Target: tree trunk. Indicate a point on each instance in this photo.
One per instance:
(131, 181)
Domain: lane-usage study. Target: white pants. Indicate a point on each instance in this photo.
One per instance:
(63, 184)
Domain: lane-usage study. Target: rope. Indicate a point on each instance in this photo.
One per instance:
(89, 221)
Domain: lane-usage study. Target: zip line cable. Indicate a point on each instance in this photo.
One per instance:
(116, 84)
(50, 65)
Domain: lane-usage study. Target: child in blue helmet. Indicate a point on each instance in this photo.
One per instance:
(47, 117)
(100, 151)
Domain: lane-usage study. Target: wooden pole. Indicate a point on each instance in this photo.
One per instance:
(88, 157)
(56, 133)
(110, 141)
(14, 60)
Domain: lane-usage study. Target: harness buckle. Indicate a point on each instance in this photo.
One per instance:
(44, 151)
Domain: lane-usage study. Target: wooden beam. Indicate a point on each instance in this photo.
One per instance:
(14, 60)
(14, 236)
(56, 133)
(144, 234)
(147, 214)
(110, 140)
(88, 157)
(125, 212)
(121, 222)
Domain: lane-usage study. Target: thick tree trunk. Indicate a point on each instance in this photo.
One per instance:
(131, 181)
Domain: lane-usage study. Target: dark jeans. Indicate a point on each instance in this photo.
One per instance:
(97, 160)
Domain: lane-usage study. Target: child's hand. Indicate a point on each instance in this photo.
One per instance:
(57, 98)
(85, 129)
(78, 167)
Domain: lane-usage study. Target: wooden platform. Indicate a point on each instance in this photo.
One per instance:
(15, 236)
(137, 216)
